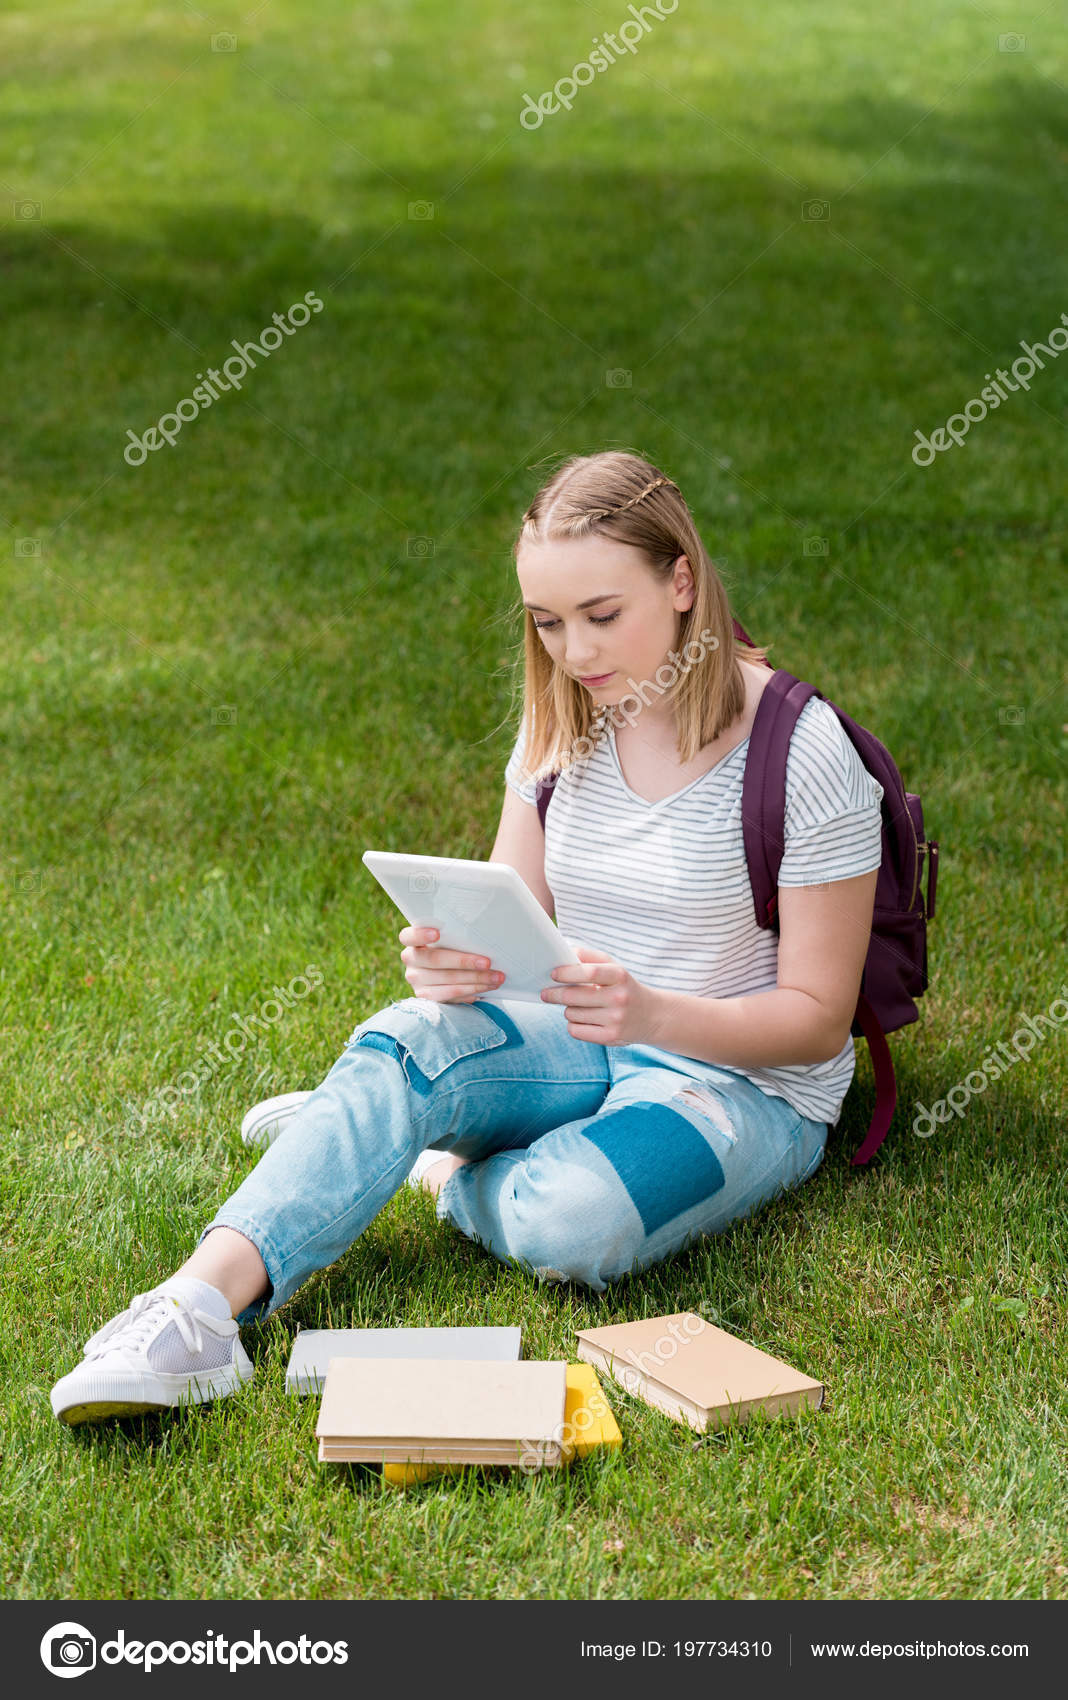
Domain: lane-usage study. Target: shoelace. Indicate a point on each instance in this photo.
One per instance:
(140, 1320)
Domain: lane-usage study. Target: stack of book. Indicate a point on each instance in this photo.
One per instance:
(422, 1400)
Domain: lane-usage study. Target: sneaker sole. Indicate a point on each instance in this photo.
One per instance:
(94, 1413)
(106, 1396)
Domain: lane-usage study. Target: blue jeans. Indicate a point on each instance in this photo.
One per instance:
(591, 1161)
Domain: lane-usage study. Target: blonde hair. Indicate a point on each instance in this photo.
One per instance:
(626, 499)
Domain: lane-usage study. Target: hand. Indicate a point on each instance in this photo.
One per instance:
(605, 1004)
(446, 976)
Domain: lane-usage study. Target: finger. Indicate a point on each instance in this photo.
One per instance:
(417, 935)
(435, 958)
(604, 974)
(472, 977)
(477, 986)
(594, 1035)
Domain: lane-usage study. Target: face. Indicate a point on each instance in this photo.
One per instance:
(628, 622)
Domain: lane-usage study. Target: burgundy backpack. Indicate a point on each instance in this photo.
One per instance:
(895, 971)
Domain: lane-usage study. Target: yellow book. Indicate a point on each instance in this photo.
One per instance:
(588, 1425)
(588, 1419)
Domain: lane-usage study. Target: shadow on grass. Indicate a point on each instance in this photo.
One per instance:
(153, 1433)
(425, 332)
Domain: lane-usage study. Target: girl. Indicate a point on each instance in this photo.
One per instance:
(683, 1074)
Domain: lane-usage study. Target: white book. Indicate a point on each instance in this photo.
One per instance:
(314, 1347)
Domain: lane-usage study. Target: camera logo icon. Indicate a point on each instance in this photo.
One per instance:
(68, 1649)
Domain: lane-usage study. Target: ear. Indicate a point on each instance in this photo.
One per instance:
(685, 589)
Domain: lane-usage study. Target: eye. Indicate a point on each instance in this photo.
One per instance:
(598, 620)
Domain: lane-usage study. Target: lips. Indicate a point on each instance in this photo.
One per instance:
(597, 679)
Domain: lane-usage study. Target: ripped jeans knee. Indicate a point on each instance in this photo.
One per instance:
(711, 1104)
(666, 1160)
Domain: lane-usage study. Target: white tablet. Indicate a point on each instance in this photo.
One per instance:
(484, 908)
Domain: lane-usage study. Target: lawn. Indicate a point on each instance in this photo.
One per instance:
(765, 249)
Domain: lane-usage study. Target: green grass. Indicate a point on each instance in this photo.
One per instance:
(166, 865)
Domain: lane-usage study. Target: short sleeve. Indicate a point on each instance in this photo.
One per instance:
(526, 788)
(833, 823)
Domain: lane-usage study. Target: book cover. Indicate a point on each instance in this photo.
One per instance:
(695, 1372)
(589, 1427)
(314, 1347)
(386, 1409)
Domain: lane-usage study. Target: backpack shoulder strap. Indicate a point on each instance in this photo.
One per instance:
(763, 830)
(764, 787)
(885, 1082)
(545, 788)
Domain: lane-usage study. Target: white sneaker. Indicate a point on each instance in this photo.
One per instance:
(266, 1121)
(425, 1160)
(160, 1351)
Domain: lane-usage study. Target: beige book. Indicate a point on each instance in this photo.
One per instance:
(399, 1408)
(694, 1372)
(415, 1452)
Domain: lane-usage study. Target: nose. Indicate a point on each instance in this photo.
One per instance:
(576, 661)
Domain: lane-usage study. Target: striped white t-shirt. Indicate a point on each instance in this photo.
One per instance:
(663, 887)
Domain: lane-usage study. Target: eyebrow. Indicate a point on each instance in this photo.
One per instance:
(536, 608)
